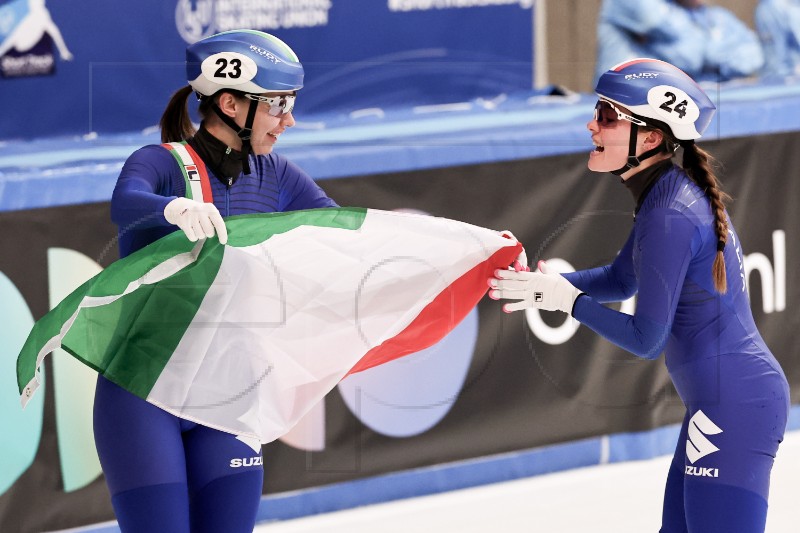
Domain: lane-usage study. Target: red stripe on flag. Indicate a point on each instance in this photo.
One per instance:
(443, 314)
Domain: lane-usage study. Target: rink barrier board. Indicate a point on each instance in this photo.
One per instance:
(463, 475)
(525, 125)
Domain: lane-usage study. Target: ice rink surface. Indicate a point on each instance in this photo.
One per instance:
(620, 497)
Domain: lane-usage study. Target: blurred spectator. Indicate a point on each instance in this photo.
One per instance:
(778, 25)
(707, 42)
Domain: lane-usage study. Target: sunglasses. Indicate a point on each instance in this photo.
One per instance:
(278, 105)
(606, 114)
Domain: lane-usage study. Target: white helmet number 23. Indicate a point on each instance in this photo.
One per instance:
(234, 68)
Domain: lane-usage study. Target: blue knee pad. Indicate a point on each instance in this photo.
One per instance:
(715, 508)
(153, 509)
(227, 504)
(693, 506)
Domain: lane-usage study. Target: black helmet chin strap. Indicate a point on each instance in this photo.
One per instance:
(243, 133)
(634, 160)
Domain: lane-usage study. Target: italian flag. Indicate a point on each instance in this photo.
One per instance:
(249, 336)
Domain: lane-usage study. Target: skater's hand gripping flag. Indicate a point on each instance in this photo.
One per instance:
(198, 220)
(537, 290)
(521, 262)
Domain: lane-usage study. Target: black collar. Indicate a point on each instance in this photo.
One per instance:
(640, 183)
(224, 161)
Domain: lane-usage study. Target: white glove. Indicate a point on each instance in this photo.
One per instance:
(198, 220)
(551, 292)
(521, 262)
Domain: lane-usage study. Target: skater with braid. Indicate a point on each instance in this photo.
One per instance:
(684, 262)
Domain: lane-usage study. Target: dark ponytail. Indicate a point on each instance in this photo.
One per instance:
(176, 125)
(698, 165)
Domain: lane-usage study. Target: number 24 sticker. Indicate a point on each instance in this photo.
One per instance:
(680, 108)
(673, 104)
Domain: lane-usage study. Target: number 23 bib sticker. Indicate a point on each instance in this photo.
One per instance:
(673, 104)
(233, 68)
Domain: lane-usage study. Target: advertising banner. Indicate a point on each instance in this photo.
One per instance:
(75, 67)
(498, 383)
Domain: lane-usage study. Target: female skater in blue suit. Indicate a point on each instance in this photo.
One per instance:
(168, 474)
(684, 262)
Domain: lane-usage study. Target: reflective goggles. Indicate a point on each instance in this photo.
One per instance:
(606, 114)
(278, 105)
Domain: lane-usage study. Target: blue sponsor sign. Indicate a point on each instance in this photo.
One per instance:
(92, 66)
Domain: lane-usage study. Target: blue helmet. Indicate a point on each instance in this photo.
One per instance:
(244, 60)
(659, 91)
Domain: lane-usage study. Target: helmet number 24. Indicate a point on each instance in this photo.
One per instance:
(229, 68)
(680, 108)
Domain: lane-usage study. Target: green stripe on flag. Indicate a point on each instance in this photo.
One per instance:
(243, 230)
(260, 227)
(118, 275)
(45, 329)
(131, 339)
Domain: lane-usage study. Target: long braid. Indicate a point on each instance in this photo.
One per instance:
(698, 165)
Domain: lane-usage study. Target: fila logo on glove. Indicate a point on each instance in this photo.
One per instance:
(538, 297)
